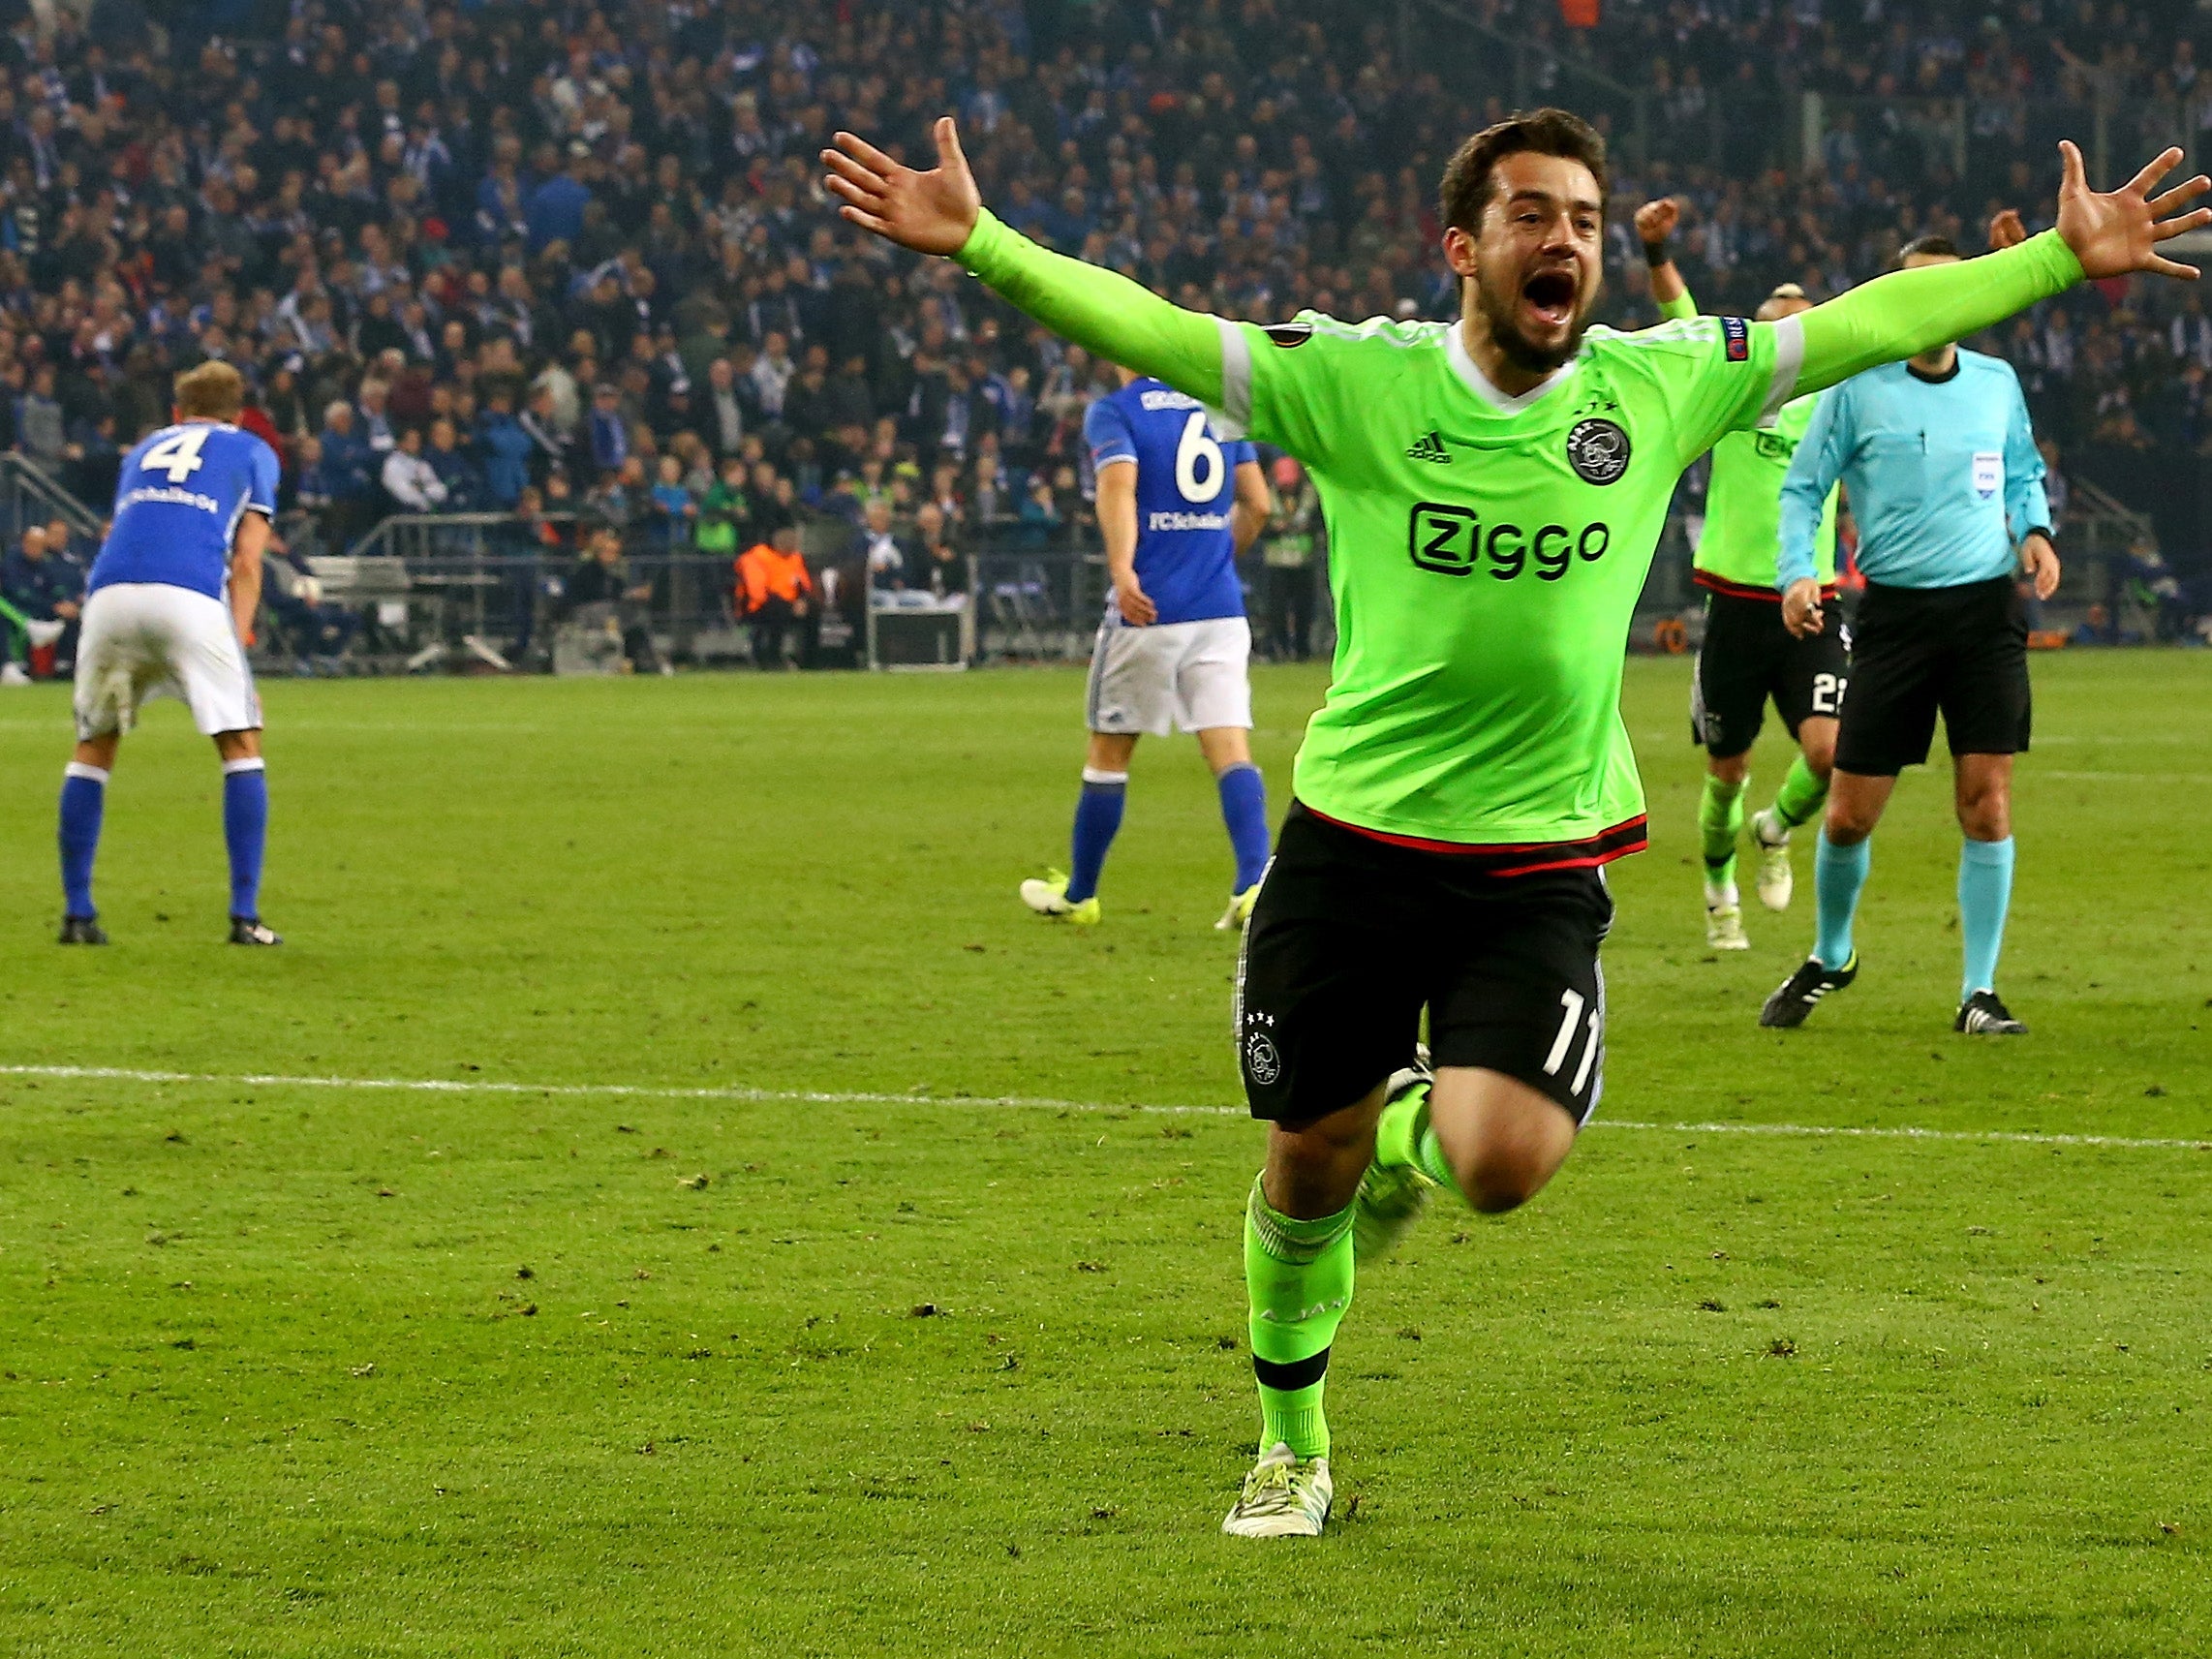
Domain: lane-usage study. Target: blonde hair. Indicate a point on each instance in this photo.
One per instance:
(214, 391)
(1787, 294)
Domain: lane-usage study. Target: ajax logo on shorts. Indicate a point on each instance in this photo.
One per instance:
(1598, 449)
(1261, 1059)
(1263, 1063)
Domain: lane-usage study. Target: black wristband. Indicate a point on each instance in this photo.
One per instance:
(1655, 254)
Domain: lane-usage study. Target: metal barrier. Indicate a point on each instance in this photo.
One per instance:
(494, 612)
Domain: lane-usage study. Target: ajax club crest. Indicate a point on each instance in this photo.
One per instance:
(1598, 450)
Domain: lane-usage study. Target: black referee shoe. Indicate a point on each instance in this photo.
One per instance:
(82, 930)
(1795, 999)
(249, 930)
(1981, 1015)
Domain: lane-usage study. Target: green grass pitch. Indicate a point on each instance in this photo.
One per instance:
(306, 1369)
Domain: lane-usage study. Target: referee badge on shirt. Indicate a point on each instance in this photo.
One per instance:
(1988, 473)
(1598, 450)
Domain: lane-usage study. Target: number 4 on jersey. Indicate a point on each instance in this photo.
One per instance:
(177, 454)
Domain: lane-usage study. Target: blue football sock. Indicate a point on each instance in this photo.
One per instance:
(1985, 894)
(1838, 874)
(83, 800)
(245, 831)
(1244, 810)
(1097, 818)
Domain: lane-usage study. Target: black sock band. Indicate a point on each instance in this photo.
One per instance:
(1297, 1375)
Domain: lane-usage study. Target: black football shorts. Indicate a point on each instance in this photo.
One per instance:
(1748, 658)
(1961, 651)
(1352, 938)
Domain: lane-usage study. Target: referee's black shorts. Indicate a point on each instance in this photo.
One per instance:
(1917, 652)
(1352, 937)
(1748, 658)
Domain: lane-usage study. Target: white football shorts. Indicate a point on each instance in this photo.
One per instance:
(143, 640)
(1194, 674)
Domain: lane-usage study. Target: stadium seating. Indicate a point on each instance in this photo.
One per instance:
(599, 252)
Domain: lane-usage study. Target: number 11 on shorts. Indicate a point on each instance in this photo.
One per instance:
(1572, 1003)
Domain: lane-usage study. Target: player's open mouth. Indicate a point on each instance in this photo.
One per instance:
(1550, 296)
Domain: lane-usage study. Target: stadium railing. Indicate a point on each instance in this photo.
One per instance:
(30, 494)
(462, 590)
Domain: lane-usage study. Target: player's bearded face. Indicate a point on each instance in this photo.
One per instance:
(1538, 260)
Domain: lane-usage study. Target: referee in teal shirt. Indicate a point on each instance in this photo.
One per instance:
(1940, 463)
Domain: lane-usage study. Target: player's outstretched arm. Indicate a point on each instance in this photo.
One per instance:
(941, 212)
(1655, 222)
(2111, 234)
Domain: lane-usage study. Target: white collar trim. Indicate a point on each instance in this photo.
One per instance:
(1470, 373)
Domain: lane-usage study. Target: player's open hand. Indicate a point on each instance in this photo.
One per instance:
(1655, 221)
(1136, 604)
(930, 212)
(2119, 231)
(2007, 229)
(1801, 608)
(2039, 560)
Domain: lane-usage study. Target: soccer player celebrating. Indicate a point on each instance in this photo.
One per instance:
(1947, 484)
(170, 596)
(1495, 490)
(1175, 505)
(1748, 656)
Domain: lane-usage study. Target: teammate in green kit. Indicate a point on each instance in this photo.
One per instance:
(1747, 657)
(1494, 489)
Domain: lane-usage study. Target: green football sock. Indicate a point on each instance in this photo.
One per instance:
(1720, 822)
(1801, 796)
(1299, 1274)
(1404, 1137)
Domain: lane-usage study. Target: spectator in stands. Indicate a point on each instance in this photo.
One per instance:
(40, 429)
(775, 593)
(938, 564)
(507, 451)
(602, 577)
(607, 428)
(724, 513)
(44, 586)
(732, 407)
(887, 556)
(410, 480)
(456, 469)
(550, 196)
(317, 632)
(673, 508)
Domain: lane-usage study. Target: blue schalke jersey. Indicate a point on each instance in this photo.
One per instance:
(178, 505)
(1186, 558)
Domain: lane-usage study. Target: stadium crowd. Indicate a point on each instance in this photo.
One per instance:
(544, 258)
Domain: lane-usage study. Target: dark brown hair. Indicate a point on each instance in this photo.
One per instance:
(1933, 247)
(1466, 188)
(214, 389)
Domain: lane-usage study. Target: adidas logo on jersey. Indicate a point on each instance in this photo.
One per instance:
(1428, 447)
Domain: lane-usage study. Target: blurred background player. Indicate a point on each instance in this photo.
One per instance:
(170, 598)
(1748, 656)
(1947, 486)
(1177, 505)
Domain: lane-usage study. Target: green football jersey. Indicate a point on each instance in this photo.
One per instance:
(1743, 503)
(1485, 556)
(1743, 506)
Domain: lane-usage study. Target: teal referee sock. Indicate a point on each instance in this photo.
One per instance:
(1984, 895)
(1839, 872)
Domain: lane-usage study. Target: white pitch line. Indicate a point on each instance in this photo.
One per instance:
(815, 1097)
